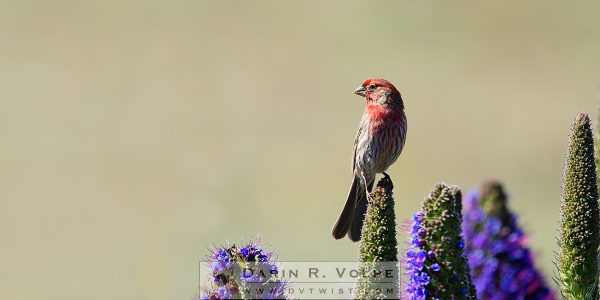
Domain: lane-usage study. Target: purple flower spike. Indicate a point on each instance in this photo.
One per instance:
(229, 265)
(501, 264)
(435, 241)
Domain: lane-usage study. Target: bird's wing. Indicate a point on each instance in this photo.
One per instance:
(355, 146)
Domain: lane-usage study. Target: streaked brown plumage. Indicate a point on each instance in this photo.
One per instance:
(379, 142)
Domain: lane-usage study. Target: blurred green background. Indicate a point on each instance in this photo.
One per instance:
(134, 135)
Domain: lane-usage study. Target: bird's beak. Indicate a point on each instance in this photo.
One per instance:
(361, 91)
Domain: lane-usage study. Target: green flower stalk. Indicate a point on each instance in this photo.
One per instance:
(378, 247)
(436, 264)
(579, 219)
(457, 194)
(597, 139)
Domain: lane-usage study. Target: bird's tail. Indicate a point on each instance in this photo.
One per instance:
(353, 215)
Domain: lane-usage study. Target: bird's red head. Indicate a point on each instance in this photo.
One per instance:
(379, 91)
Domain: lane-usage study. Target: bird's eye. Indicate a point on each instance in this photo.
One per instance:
(372, 87)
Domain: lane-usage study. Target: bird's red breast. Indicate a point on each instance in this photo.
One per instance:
(381, 115)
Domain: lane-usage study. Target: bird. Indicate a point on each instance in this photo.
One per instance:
(379, 141)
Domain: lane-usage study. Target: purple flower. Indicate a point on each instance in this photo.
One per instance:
(221, 255)
(417, 218)
(234, 268)
(245, 251)
(498, 256)
(415, 262)
(460, 244)
(431, 255)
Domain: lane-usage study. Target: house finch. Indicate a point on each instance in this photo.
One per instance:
(379, 141)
